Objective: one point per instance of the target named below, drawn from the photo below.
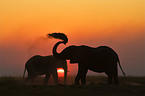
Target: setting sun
(24, 24)
(60, 72)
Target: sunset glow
(60, 72)
(24, 24)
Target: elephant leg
(116, 77)
(110, 79)
(83, 76)
(82, 71)
(65, 76)
(78, 77)
(83, 79)
(47, 78)
(31, 77)
(116, 80)
(55, 76)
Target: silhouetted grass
(96, 86)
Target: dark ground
(96, 86)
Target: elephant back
(108, 53)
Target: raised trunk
(54, 51)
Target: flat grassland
(96, 86)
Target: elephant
(45, 65)
(99, 59)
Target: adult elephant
(99, 59)
(45, 65)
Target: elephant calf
(45, 65)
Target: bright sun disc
(60, 70)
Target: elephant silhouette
(45, 65)
(99, 59)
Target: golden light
(60, 72)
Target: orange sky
(117, 23)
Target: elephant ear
(76, 58)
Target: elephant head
(72, 53)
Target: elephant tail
(121, 68)
(24, 72)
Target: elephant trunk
(54, 51)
